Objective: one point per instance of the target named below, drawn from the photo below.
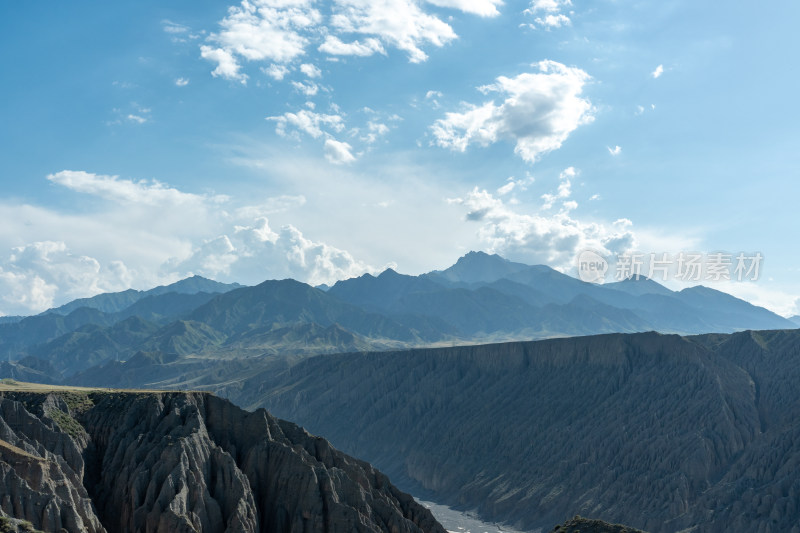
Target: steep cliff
(660, 432)
(173, 462)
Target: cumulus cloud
(564, 190)
(260, 30)
(182, 82)
(375, 130)
(540, 239)
(338, 152)
(553, 17)
(549, 6)
(482, 8)
(308, 89)
(144, 233)
(244, 252)
(399, 23)
(537, 111)
(308, 122)
(336, 47)
(614, 151)
(280, 31)
(227, 66)
(553, 21)
(658, 72)
(311, 71)
(35, 274)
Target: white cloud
(338, 152)
(227, 67)
(553, 17)
(564, 190)
(482, 8)
(143, 233)
(260, 30)
(311, 71)
(308, 89)
(33, 275)
(334, 46)
(307, 122)
(553, 21)
(245, 252)
(280, 31)
(174, 27)
(614, 151)
(507, 188)
(136, 118)
(127, 191)
(375, 130)
(182, 82)
(538, 239)
(538, 111)
(515, 184)
(400, 23)
(267, 29)
(658, 72)
(549, 6)
(276, 72)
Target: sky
(144, 142)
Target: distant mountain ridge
(114, 302)
(481, 298)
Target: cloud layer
(281, 31)
(147, 233)
(542, 238)
(536, 111)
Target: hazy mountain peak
(638, 285)
(113, 302)
(389, 273)
(479, 267)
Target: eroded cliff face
(173, 462)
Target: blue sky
(144, 142)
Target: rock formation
(173, 462)
(586, 525)
(660, 432)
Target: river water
(459, 522)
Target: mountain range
(197, 324)
(511, 390)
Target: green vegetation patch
(78, 402)
(68, 425)
(10, 525)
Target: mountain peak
(479, 267)
(389, 273)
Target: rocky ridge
(173, 461)
(661, 432)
